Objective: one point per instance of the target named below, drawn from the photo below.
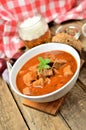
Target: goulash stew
(46, 72)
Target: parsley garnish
(43, 63)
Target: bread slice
(67, 39)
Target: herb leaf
(43, 63)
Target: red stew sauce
(58, 70)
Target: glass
(34, 30)
(84, 29)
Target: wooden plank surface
(74, 109)
(37, 120)
(10, 117)
(82, 76)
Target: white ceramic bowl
(34, 51)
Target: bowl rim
(54, 92)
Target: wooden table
(71, 116)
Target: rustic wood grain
(81, 85)
(82, 76)
(74, 109)
(10, 117)
(49, 107)
(38, 120)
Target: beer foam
(32, 28)
(30, 22)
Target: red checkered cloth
(52, 10)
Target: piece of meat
(47, 72)
(55, 71)
(47, 80)
(58, 63)
(38, 74)
(28, 78)
(67, 70)
(26, 91)
(38, 83)
(51, 57)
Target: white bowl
(39, 49)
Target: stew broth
(58, 71)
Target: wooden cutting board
(49, 107)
